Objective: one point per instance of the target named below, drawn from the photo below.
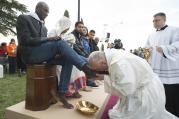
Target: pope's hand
(159, 50)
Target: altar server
(164, 45)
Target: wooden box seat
(41, 80)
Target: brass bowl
(86, 107)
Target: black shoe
(102, 72)
(88, 71)
(91, 83)
(94, 85)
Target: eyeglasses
(156, 20)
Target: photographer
(118, 44)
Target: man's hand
(159, 50)
(54, 38)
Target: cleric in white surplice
(131, 78)
(164, 44)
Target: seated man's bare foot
(63, 99)
(53, 101)
(54, 98)
(68, 106)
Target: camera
(118, 44)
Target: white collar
(34, 15)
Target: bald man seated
(35, 47)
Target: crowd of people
(8, 56)
(143, 87)
(70, 51)
(117, 44)
(83, 43)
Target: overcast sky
(129, 20)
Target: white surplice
(141, 92)
(166, 68)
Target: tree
(8, 15)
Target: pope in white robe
(131, 78)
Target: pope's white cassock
(141, 92)
(166, 67)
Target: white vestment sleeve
(123, 78)
(70, 38)
(147, 45)
(172, 51)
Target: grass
(12, 91)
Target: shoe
(98, 82)
(91, 83)
(94, 85)
(102, 72)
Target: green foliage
(8, 12)
(12, 91)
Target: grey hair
(96, 56)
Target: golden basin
(86, 107)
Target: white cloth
(1, 71)
(76, 73)
(35, 16)
(58, 71)
(141, 92)
(70, 38)
(166, 68)
(63, 24)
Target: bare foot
(63, 99)
(53, 101)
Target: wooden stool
(41, 81)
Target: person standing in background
(3, 56)
(11, 51)
(92, 42)
(164, 46)
(96, 40)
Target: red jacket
(3, 51)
